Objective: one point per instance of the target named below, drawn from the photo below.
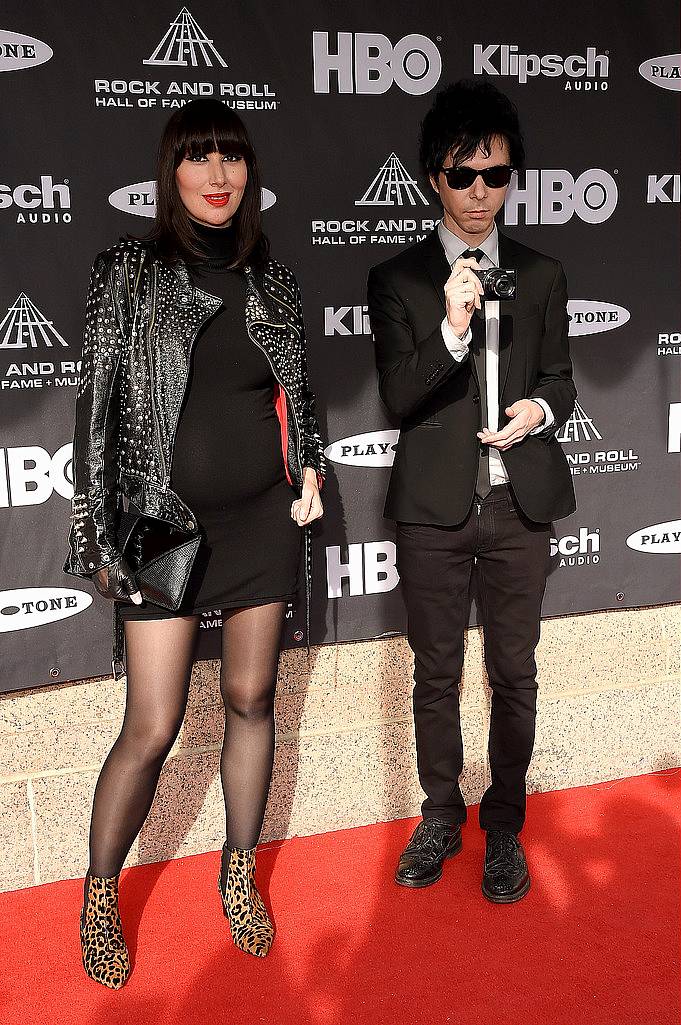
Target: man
(481, 386)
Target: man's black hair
(465, 115)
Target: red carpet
(594, 943)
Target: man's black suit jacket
(437, 399)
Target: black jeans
(511, 558)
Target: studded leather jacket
(142, 318)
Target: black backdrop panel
(333, 97)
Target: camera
(498, 283)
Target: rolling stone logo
(391, 186)
(26, 607)
(18, 52)
(591, 317)
(140, 199)
(29, 343)
(46, 202)
(184, 45)
(580, 429)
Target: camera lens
(503, 286)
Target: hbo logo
(368, 63)
(31, 475)
(553, 197)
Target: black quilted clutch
(160, 555)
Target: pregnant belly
(228, 464)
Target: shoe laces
(429, 838)
(502, 849)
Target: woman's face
(212, 187)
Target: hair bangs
(199, 136)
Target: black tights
(159, 662)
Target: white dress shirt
(454, 247)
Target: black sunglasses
(463, 177)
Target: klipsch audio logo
(591, 317)
(582, 72)
(26, 333)
(659, 539)
(376, 448)
(555, 196)
(24, 607)
(29, 475)
(663, 71)
(581, 429)
(140, 199)
(46, 203)
(581, 549)
(391, 186)
(367, 63)
(674, 427)
(368, 568)
(184, 46)
(663, 188)
(669, 343)
(18, 51)
(346, 320)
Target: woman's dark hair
(201, 127)
(464, 116)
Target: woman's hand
(117, 582)
(309, 506)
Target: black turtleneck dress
(228, 464)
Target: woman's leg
(159, 661)
(250, 654)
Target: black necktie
(479, 355)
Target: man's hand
(309, 506)
(526, 415)
(462, 295)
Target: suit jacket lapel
(507, 258)
(436, 264)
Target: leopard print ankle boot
(249, 923)
(105, 955)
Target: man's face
(470, 212)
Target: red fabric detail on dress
(280, 407)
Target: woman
(197, 458)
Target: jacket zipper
(154, 410)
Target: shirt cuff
(548, 417)
(457, 346)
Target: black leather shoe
(421, 861)
(505, 878)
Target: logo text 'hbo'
(370, 568)
(555, 196)
(368, 63)
(32, 475)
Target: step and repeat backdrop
(333, 95)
